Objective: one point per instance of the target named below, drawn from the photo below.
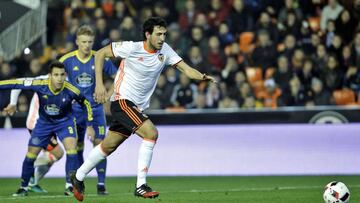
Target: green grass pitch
(214, 189)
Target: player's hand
(90, 132)
(209, 78)
(10, 109)
(100, 93)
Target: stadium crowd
(263, 53)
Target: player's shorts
(52, 144)
(41, 134)
(126, 117)
(98, 123)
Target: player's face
(85, 44)
(57, 78)
(157, 38)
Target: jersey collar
(53, 91)
(84, 60)
(148, 50)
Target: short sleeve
(122, 49)
(172, 57)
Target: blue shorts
(43, 131)
(99, 123)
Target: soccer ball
(336, 192)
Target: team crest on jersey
(161, 57)
(84, 80)
(75, 68)
(28, 82)
(52, 109)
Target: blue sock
(101, 171)
(27, 170)
(80, 156)
(71, 164)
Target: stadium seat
(344, 97)
(246, 42)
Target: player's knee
(152, 134)
(57, 152)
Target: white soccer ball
(336, 192)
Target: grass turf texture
(263, 189)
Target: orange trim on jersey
(130, 113)
(175, 64)
(31, 123)
(149, 50)
(121, 76)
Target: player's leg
(100, 130)
(38, 139)
(97, 154)
(149, 134)
(66, 132)
(43, 163)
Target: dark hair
(56, 64)
(150, 23)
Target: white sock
(96, 155)
(39, 173)
(144, 160)
(67, 185)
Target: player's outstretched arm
(193, 73)
(100, 91)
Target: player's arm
(193, 73)
(100, 91)
(20, 83)
(11, 107)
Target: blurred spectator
(352, 79)
(291, 6)
(228, 102)
(23, 104)
(282, 73)
(265, 51)
(330, 12)
(200, 102)
(102, 33)
(35, 69)
(187, 16)
(213, 96)
(291, 25)
(318, 95)
(345, 26)
(332, 74)
(355, 50)
(320, 59)
(264, 23)
(215, 55)
(229, 72)
(297, 60)
(196, 59)
(198, 38)
(289, 46)
(176, 40)
(217, 13)
(306, 74)
(270, 96)
(336, 47)
(162, 93)
(202, 22)
(240, 19)
(128, 30)
(330, 32)
(184, 93)
(295, 95)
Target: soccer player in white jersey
(51, 154)
(142, 63)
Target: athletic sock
(96, 155)
(71, 163)
(101, 171)
(144, 161)
(27, 169)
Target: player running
(79, 66)
(134, 84)
(51, 153)
(55, 100)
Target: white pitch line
(188, 191)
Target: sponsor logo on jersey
(161, 57)
(75, 68)
(52, 109)
(84, 80)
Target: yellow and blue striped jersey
(53, 106)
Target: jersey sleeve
(22, 83)
(122, 49)
(172, 58)
(86, 104)
(109, 68)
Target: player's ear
(147, 35)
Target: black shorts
(52, 143)
(126, 117)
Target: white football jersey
(139, 70)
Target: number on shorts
(71, 130)
(101, 130)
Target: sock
(101, 171)
(42, 165)
(80, 156)
(67, 185)
(144, 160)
(40, 172)
(27, 169)
(96, 155)
(71, 163)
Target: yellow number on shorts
(71, 130)
(101, 130)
